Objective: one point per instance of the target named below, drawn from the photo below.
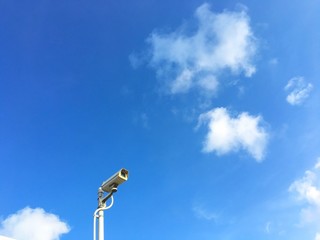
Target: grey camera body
(114, 181)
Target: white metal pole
(101, 226)
(99, 213)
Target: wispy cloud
(35, 224)
(273, 61)
(141, 119)
(268, 227)
(222, 42)
(205, 214)
(298, 89)
(229, 134)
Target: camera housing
(114, 181)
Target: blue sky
(213, 107)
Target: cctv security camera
(114, 181)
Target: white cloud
(221, 42)
(35, 224)
(317, 236)
(227, 134)
(307, 189)
(298, 90)
(5, 238)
